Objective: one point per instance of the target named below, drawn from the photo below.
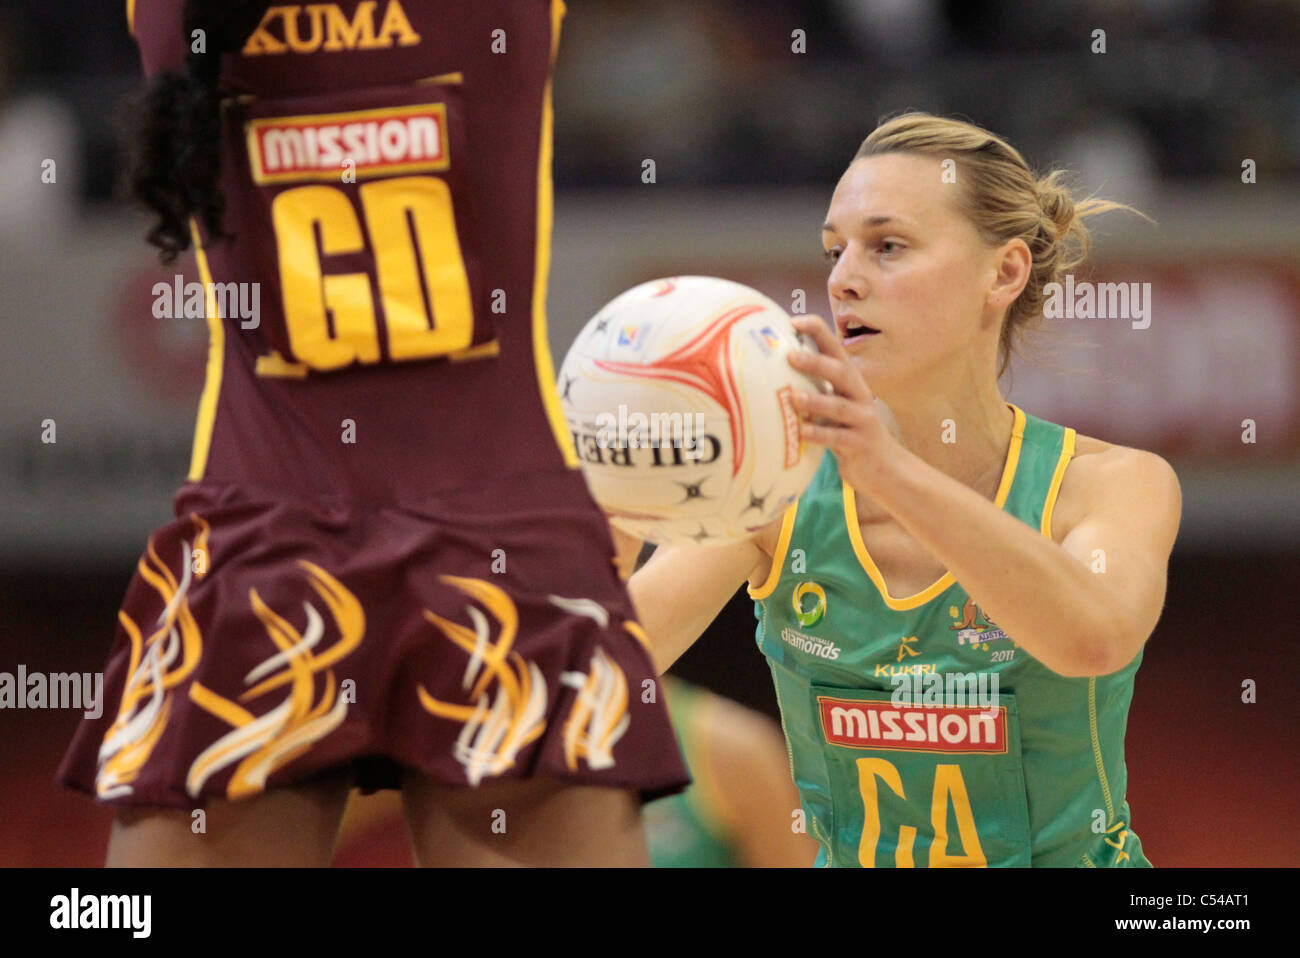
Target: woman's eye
(831, 255)
(889, 246)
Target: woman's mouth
(852, 331)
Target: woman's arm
(1053, 599)
(681, 589)
(1083, 607)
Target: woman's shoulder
(1101, 472)
(1109, 460)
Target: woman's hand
(852, 423)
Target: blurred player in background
(385, 570)
(1019, 566)
(739, 811)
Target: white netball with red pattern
(678, 396)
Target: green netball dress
(920, 734)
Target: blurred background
(750, 111)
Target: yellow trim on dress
(638, 633)
(545, 212)
(778, 554)
(925, 595)
(444, 79)
(216, 357)
(481, 351)
(275, 366)
(1096, 748)
(1067, 452)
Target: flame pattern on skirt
(599, 716)
(157, 665)
(263, 744)
(494, 729)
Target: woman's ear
(1012, 265)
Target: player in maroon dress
(385, 569)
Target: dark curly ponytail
(173, 134)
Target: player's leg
(527, 822)
(290, 826)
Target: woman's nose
(845, 280)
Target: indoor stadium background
(748, 136)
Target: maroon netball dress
(385, 557)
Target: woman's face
(907, 263)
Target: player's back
(385, 168)
(363, 443)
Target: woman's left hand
(852, 423)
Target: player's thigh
(291, 825)
(538, 821)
